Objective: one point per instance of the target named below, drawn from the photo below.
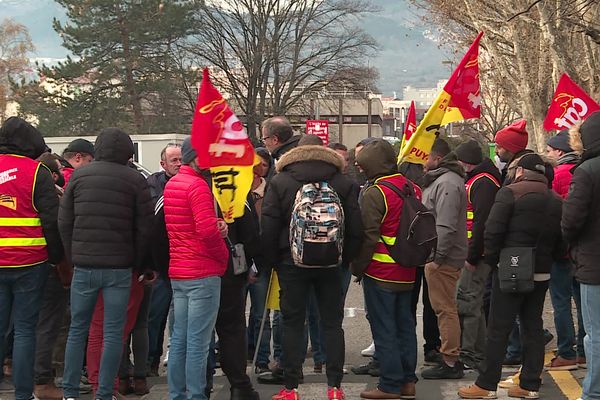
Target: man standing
(563, 285)
(78, 153)
(444, 194)
(482, 184)
(387, 285)
(581, 229)
(29, 240)
(278, 137)
(511, 145)
(160, 301)
(301, 171)
(103, 220)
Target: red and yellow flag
(459, 100)
(410, 125)
(570, 104)
(223, 146)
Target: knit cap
(513, 137)
(469, 152)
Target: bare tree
(15, 45)
(271, 54)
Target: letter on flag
(410, 125)
(570, 104)
(459, 100)
(223, 146)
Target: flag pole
(262, 325)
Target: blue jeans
(394, 333)
(115, 285)
(561, 290)
(159, 310)
(196, 303)
(277, 336)
(258, 296)
(590, 298)
(21, 292)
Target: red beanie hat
(513, 137)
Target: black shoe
(364, 369)
(444, 371)
(244, 394)
(374, 371)
(511, 362)
(275, 377)
(261, 369)
(548, 336)
(433, 358)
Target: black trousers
(503, 310)
(295, 283)
(431, 333)
(231, 329)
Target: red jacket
(196, 247)
(562, 179)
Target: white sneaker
(166, 359)
(369, 351)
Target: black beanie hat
(532, 162)
(560, 141)
(469, 152)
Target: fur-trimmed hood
(310, 163)
(311, 153)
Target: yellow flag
(460, 99)
(231, 184)
(273, 292)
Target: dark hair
(49, 160)
(337, 146)
(280, 127)
(163, 153)
(440, 148)
(307, 140)
(264, 154)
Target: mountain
(406, 56)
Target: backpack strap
(407, 192)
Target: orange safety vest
(468, 186)
(382, 266)
(22, 241)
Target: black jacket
(521, 213)
(245, 230)
(581, 220)
(106, 210)
(157, 182)
(482, 196)
(279, 152)
(19, 137)
(302, 165)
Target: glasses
(266, 137)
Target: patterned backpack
(317, 227)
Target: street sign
(319, 128)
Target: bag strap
(403, 194)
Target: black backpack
(416, 237)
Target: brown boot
(408, 390)
(379, 394)
(125, 386)
(48, 392)
(140, 386)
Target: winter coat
(444, 193)
(196, 247)
(19, 137)
(521, 213)
(306, 164)
(106, 210)
(244, 230)
(157, 182)
(563, 174)
(482, 194)
(279, 152)
(581, 213)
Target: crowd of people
(100, 267)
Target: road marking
(565, 380)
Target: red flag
(570, 104)
(410, 126)
(217, 134)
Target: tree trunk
(134, 99)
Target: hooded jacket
(377, 159)
(444, 193)
(306, 164)
(526, 214)
(581, 210)
(563, 174)
(106, 210)
(482, 194)
(18, 137)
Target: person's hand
(252, 278)
(470, 267)
(223, 228)
(148, 277)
